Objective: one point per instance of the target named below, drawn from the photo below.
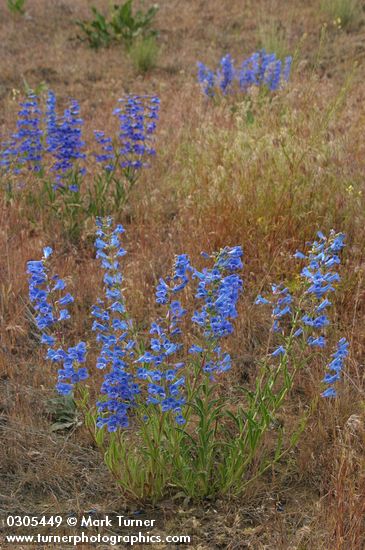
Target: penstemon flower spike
(261, 69)
(219, 288)
(137, 117)
(25, 149)
(114, 333)
(306, 315)
(160, 368)
(51, 312)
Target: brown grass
(215, 181)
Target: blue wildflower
(206, 78)
(219, 288)
(226, 73)
(25, 147)
(137, 116)
(279, 351)
(162, 366)
(106, 157)
(301, 313)
(64, 140)
(336, 366)
(260, 69)
(329, 392)
(46, 305)
(114, 333)
(319, 342)
(261, 300)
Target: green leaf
(57, 426)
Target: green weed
(144, 53)
(16, 6)
(121, 25)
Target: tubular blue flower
(38, 293)
(47, 339)
(318, 342)
(67, 299)
(324, 304)
(299, 255)
(64, 315)
(331, 378)
(196, 349)
(279, 351)
(329, 392)
(47, 252)
(261, 300)
(6, 153)
(154, 375)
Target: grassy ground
(216, 181)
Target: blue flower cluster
(137, 116)
(135, 378)
(25, 146)
(219, 288)
(59, 137)
(114, 332)
(260, 69)
(309, 312)
(52, 309)
(319, 275)
(64, 142)
(281, 305)
(106, 156)
(159, 365)
(335, 367)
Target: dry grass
(216, 181)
